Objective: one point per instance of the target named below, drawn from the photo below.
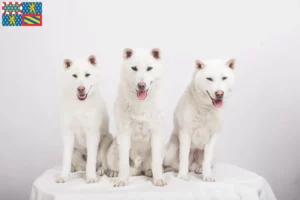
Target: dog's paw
(91, 179)
(198, 170)
(159, 182)
(183, 176)
(148, 173)
(62, 179)
(121, 183)
(207, 173)
(101, 171)
(111, 173)
(208, 178)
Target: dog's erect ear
(231, 63)
(199, 64)
(155, 53)
(92, 60)
(67, 63)
(127, 53)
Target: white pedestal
(232, 183)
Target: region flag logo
(22, 14)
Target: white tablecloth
(232, 183)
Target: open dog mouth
(141, 94)
(83, 96)
(218, 103)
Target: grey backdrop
(261, 130)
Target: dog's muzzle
(218, 102)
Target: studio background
(261, 124)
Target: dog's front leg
(68, 141)
(208, 157)
(184, 150)
(92, 142)
(124, 148)
(157, 159)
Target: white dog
(139, 114)
(84, 118)
(197, 119)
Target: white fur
(139, 122)
(78, 160)
(83, 123)
(80, 156)
(197, 121)
(140, 161)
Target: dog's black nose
(80, 89)
(141, 85)
(219, 94)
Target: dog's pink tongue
(142, 94)
(218, 103)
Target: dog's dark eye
(210, 79)
(149, 68)
(87, 75)
(224, 78)
(74, 75)
(134, 68)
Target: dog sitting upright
(84, 118)
(197, 119)
(139, 115)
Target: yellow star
(12, 20)
(32, 8)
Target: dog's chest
(140, 131)
(143, 121)
(144, 113)
(204, 125)
(79, 126)
(80, 140)
(140, 139)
